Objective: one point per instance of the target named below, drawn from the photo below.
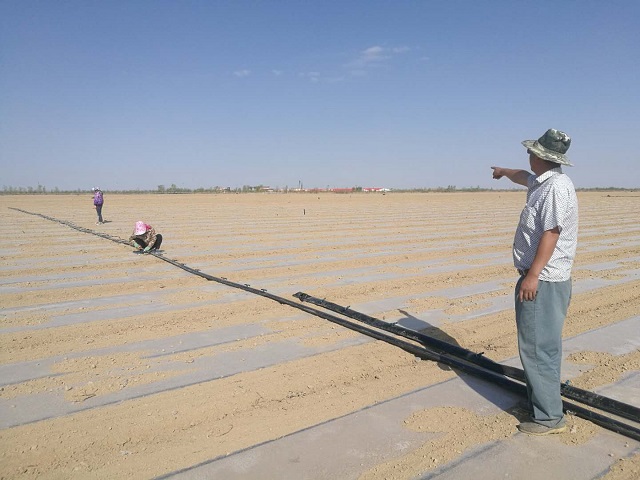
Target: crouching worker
(145, 237)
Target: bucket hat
(141, 227)
(551, 146)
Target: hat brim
(545, 154)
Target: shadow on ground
(414, 323)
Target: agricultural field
(119, 365)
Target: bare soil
(350, 249)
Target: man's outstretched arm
(516, 176)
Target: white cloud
(375, 55)
(311, 76)
(370, 58)
(242, 73)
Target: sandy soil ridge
(117, 365)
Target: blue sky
(397, 94)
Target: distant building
(342, 190)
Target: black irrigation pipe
(574, 393)
(419, 351)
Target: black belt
(523, 273)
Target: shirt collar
(548, 174)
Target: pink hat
(141, 227)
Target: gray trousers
(539, 325)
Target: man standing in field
(543, 251)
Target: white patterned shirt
(551, 202)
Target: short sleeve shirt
(551, 202)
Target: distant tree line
(174, 189)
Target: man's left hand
(528, 288)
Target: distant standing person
(145, 237)
(544, 248)
(98, 201)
